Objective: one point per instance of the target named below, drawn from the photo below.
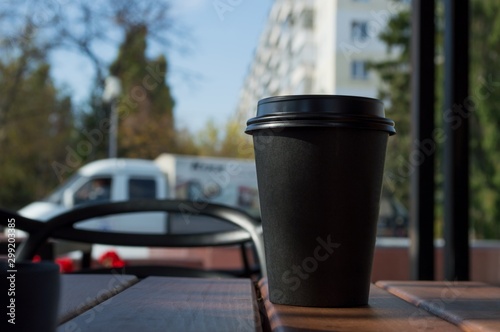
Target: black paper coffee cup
(320, 162)
(32, 296)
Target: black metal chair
(21, 223)
(24, 224)
(62, 227)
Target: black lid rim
(389, 129)
(320, 120)
(320, 116)
(316, 96)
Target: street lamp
(112, 90)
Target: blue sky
(223, 39)
(225, 45)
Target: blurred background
(183, 78)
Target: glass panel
(359, 70)
(56, 196)
(359, 31)
(95, 190)
(133, 222)
(308, 19)
(142, 188)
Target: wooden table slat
(473, 306)
(385, 312)
(81, 292)
(175, 304)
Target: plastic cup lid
(320, 111)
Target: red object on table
(111, 259)
(65, 264)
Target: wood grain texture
(473, 306)
(385, 312)
(80, 292)
(175, 304)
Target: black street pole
(457, 109)
(424, 145)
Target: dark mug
(320, 162)
(32, 299)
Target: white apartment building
(317, 47)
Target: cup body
(319, 190)
(32, 296)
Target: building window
(359, 30)
(359, 70)
(289, 21)
(308, 19)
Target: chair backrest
(20, 223)
(62, 227)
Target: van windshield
(57, 195)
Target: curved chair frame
(22, 223)
(61, 227)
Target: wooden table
(80, 293)
(166, 304)
(473, 306)
(89, 303)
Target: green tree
(226, 140)
(83, 27)
(236, 143)
(145, 109)
(208, 140)
(484, 121)
(31, 32)
(185, 143)
(36, 124)
(395, 92)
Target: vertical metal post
(424, 145)
(113, 130)
(111, 93)
(456, 151)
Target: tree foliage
(39, 143)
(395, 91)
(36, 124)
(226, 140)
(84, 27)
(484, 121)
(145, 108)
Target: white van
(226, 181)
(108, 180)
